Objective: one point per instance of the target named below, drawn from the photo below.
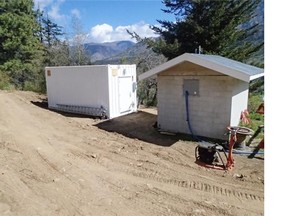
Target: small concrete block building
(217, 90)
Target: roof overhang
(220, 64)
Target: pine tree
(219, 27)
(20, 49)
(51, 32)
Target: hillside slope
(59, 164)
(99, 51)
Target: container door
(125, 93)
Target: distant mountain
(128, 56)
(99, 51)
(139, 54)
(110, 53)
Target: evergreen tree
(40, 29)
(49, 34)
(20, 49)
(219, 27)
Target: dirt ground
(59, 164)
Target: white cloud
(76, 13)
(101, 33)
(54, 12)
(42, 3)
(106, 33)
(52, 8)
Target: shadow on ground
(44, 105)
(140, 125)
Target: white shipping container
(98, 90)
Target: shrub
(5, 82)
(254, 101)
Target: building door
(125, 93)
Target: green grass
(255, 99)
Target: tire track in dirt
(197, 185)
(128, 196)
(143, 202)
(181, 206)
(158, 177)
(7, 143)
(59, 173)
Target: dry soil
(60, 164)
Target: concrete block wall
(210, 112)
(169, 100)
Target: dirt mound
(59, 164)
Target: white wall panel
(89, 86)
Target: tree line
(228, 28)
(30, 40)
(223, 28)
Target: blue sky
(106, 21)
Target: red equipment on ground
(209, 153)
(233, 139)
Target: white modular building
(99, 90)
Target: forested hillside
(30, 40)
(21, 51)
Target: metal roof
(217, 63)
